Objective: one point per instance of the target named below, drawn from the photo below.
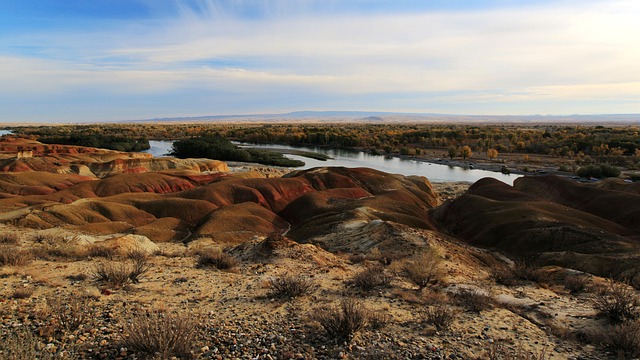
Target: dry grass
(141, 265)
(424, 268)
(520, 271)
(216, 258)
(370, 278)
(341, 323)
(440, 315)
(498, 351)
(576, 283)
(161, 335)
(624, 338)
(9, 239)
(21, 344)
(289, 286)
(101, 251)
(617, 302)
(379, 319)
(61, 251)
(114, 274)
(22, 293)
(11, 255)
(70, 313)
(474, 300)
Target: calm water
(347, 158)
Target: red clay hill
(545, 219)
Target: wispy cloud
(261, 55)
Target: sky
(110, 60)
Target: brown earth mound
(523, 223)
(617, 205)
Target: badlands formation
(517, 272)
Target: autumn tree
(465, 152)
(492, 153)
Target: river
(349, 158)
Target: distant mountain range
(397, 117)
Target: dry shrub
(473, 300)
(497, 351)
(22, 292)
(379, 319)
(424, 268)
(521, 270)
(371, 278)
(12, 256)
(71, 313)
(101, 251)
(9, 239)
(576, 283)
(216, 258)
(162, 335)
(617, 302)
(114, 274)
(140, 266)
(77, 277)
(440, 315)
(525, 270)
(21, 344)
(289, 286)
(623, 338)
(343, 322)
(53, 252)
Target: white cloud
(555, 53)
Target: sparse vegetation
(289, 286)
(473, 300)
(212, 257)
(69, 314)
(114, 274)
(23, 292)
(343, 322)
(439, 315)
(161, 335)
(370, 278)
(101, 251)
(576, 283)
(140, 266)
(623, 339)
(8, 239)
(11, 255)
(424, 268)
(617, 302)
(21, 344)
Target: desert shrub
(70, 313)
(216, 258)
(101, 251)
(9, 239)
(115, 274)
(53, 252)
(440, 315)
(22, 293)
(521, 270)
(21, 344)
(424, 268)
(12, 256)
(140, 266)
(617, 302)
(528, 271)
(77, 277)
(379, 319)
(473, 300)
(576, 283)
(343, 322)
(623, 338)
(289, 286)
(371, 278)
(497, 351)
(161, 335)
(504, 275)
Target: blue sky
(101, 60)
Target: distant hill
(398, 117)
